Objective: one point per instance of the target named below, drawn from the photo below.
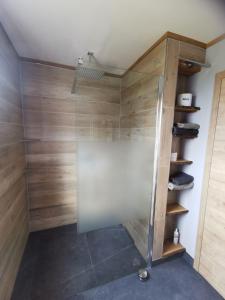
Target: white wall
(202, 86)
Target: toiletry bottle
(176, 236)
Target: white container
(173, 156)
(176, 236)
(184, 99)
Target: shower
(90, 69)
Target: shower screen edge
(155, 171)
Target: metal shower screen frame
(155, 169)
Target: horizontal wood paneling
(55, 122)
(192, 52)
(13, 204)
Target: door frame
(208, 161)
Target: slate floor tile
(106, 242)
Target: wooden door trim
(208, 161)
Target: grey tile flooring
(172, 280)
(123, 263)
(104, 243)
(60, 263)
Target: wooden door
(210, 259)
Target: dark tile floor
(171, 280)
(59, 263)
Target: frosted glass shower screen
(116, 174)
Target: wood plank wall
(13, 203)
(55, 121)
(138, 117)
(175, 49)
(210, 254)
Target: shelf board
(180, 162)
(170, 249)
(175, 209)
(188, 69)
(187, 109)
(185, 136)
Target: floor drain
(143, 274)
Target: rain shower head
(90, 70)
(89, 73)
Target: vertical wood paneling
(169, 95)
(55, 122)
(210, 255)
(13, 203)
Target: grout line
(25, 145)
(116, 253)
(89, 251)
(12, 123)
(92, 265)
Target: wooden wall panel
(162, 224)
(190, 51)
(55, 122)
(210, 254)
(138, 118)
(13, 203)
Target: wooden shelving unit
(171, 249)
(185, 136)
(187, 109)
(181, 162)
(188, 69)
(175, 209)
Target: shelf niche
(181, 162)
(175, 209)
(187, 109)
(187, 68)
(170, 249)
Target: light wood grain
(175, 209)
(13, 204)
(139, 100)
(165, 146)
(165, 36)
(55, 122)
(210, 255)
(192, 52)
(170, 249)
(164, 226)
(216, 40)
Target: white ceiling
(118, 31)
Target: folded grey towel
(185, 132)
(174, 187)
(181, 178)
(187, 125)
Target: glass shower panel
(115, 182)
(117, 166)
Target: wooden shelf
(170, 249)
(185, 136)
(181, 162)
(188, 69)
(175, 209)
(187, 109)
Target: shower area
(92, 144)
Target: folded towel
(181, 178)
(185, 132)
(187, 125)
(174, 187)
